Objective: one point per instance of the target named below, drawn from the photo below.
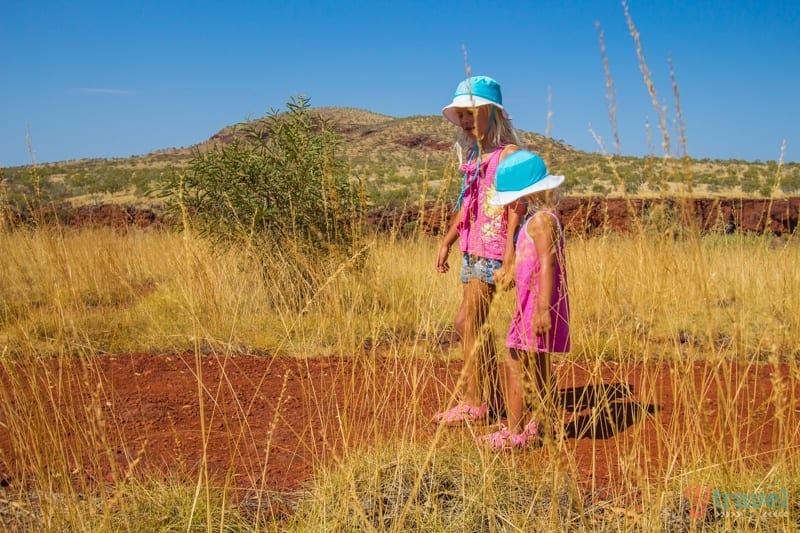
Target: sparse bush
(632, 183)
(279, 179)
(750, 185)
(728, 180)
(571, 182)
(791, 181)
(704, 177)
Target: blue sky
(114, 79)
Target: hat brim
(545, 184)
(464, 101)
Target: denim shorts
(482, 268)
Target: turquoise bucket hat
(474, 92)
(522, 173)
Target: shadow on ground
(601, 411)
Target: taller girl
(486, 234)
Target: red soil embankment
(585, 216)
(588, 216)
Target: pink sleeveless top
(482, 230)
(520, 333)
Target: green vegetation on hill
(403, 160)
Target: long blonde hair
(548, 199)
(499, 132)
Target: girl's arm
(514, 213)
(516, 210)
(449, 238)
(542, 231)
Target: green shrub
(729, 180)
(750, 185)
(633, 182)
(791, 182)
(751, 174)
(278, 180)
(571, 182)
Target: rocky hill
(408, 159)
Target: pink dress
(520, 333)
(482, 230)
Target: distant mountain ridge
(373, 137)
(402, 159)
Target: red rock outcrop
(585, 216)
(588, 216)
(109, 215)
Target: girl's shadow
(609, 410)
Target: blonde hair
(500, 132)
(548, 199)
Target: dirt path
(270, 421)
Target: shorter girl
(540, 325)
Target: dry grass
(96, 291)
(636, 298)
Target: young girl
(486, 239)
(540, 325)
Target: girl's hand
(504, 277)
(542, 324)
(441, 260)
(542, 231)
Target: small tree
(278, 179)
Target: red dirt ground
(271, 421)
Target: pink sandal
(461, 413)
(498, 440)
(505, 440)
(530, 436)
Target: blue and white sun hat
(522, 173)
(474, 92)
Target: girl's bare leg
(515, 389)
(546, 390)
(517, 375)
(490, 372)
(477, 298)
